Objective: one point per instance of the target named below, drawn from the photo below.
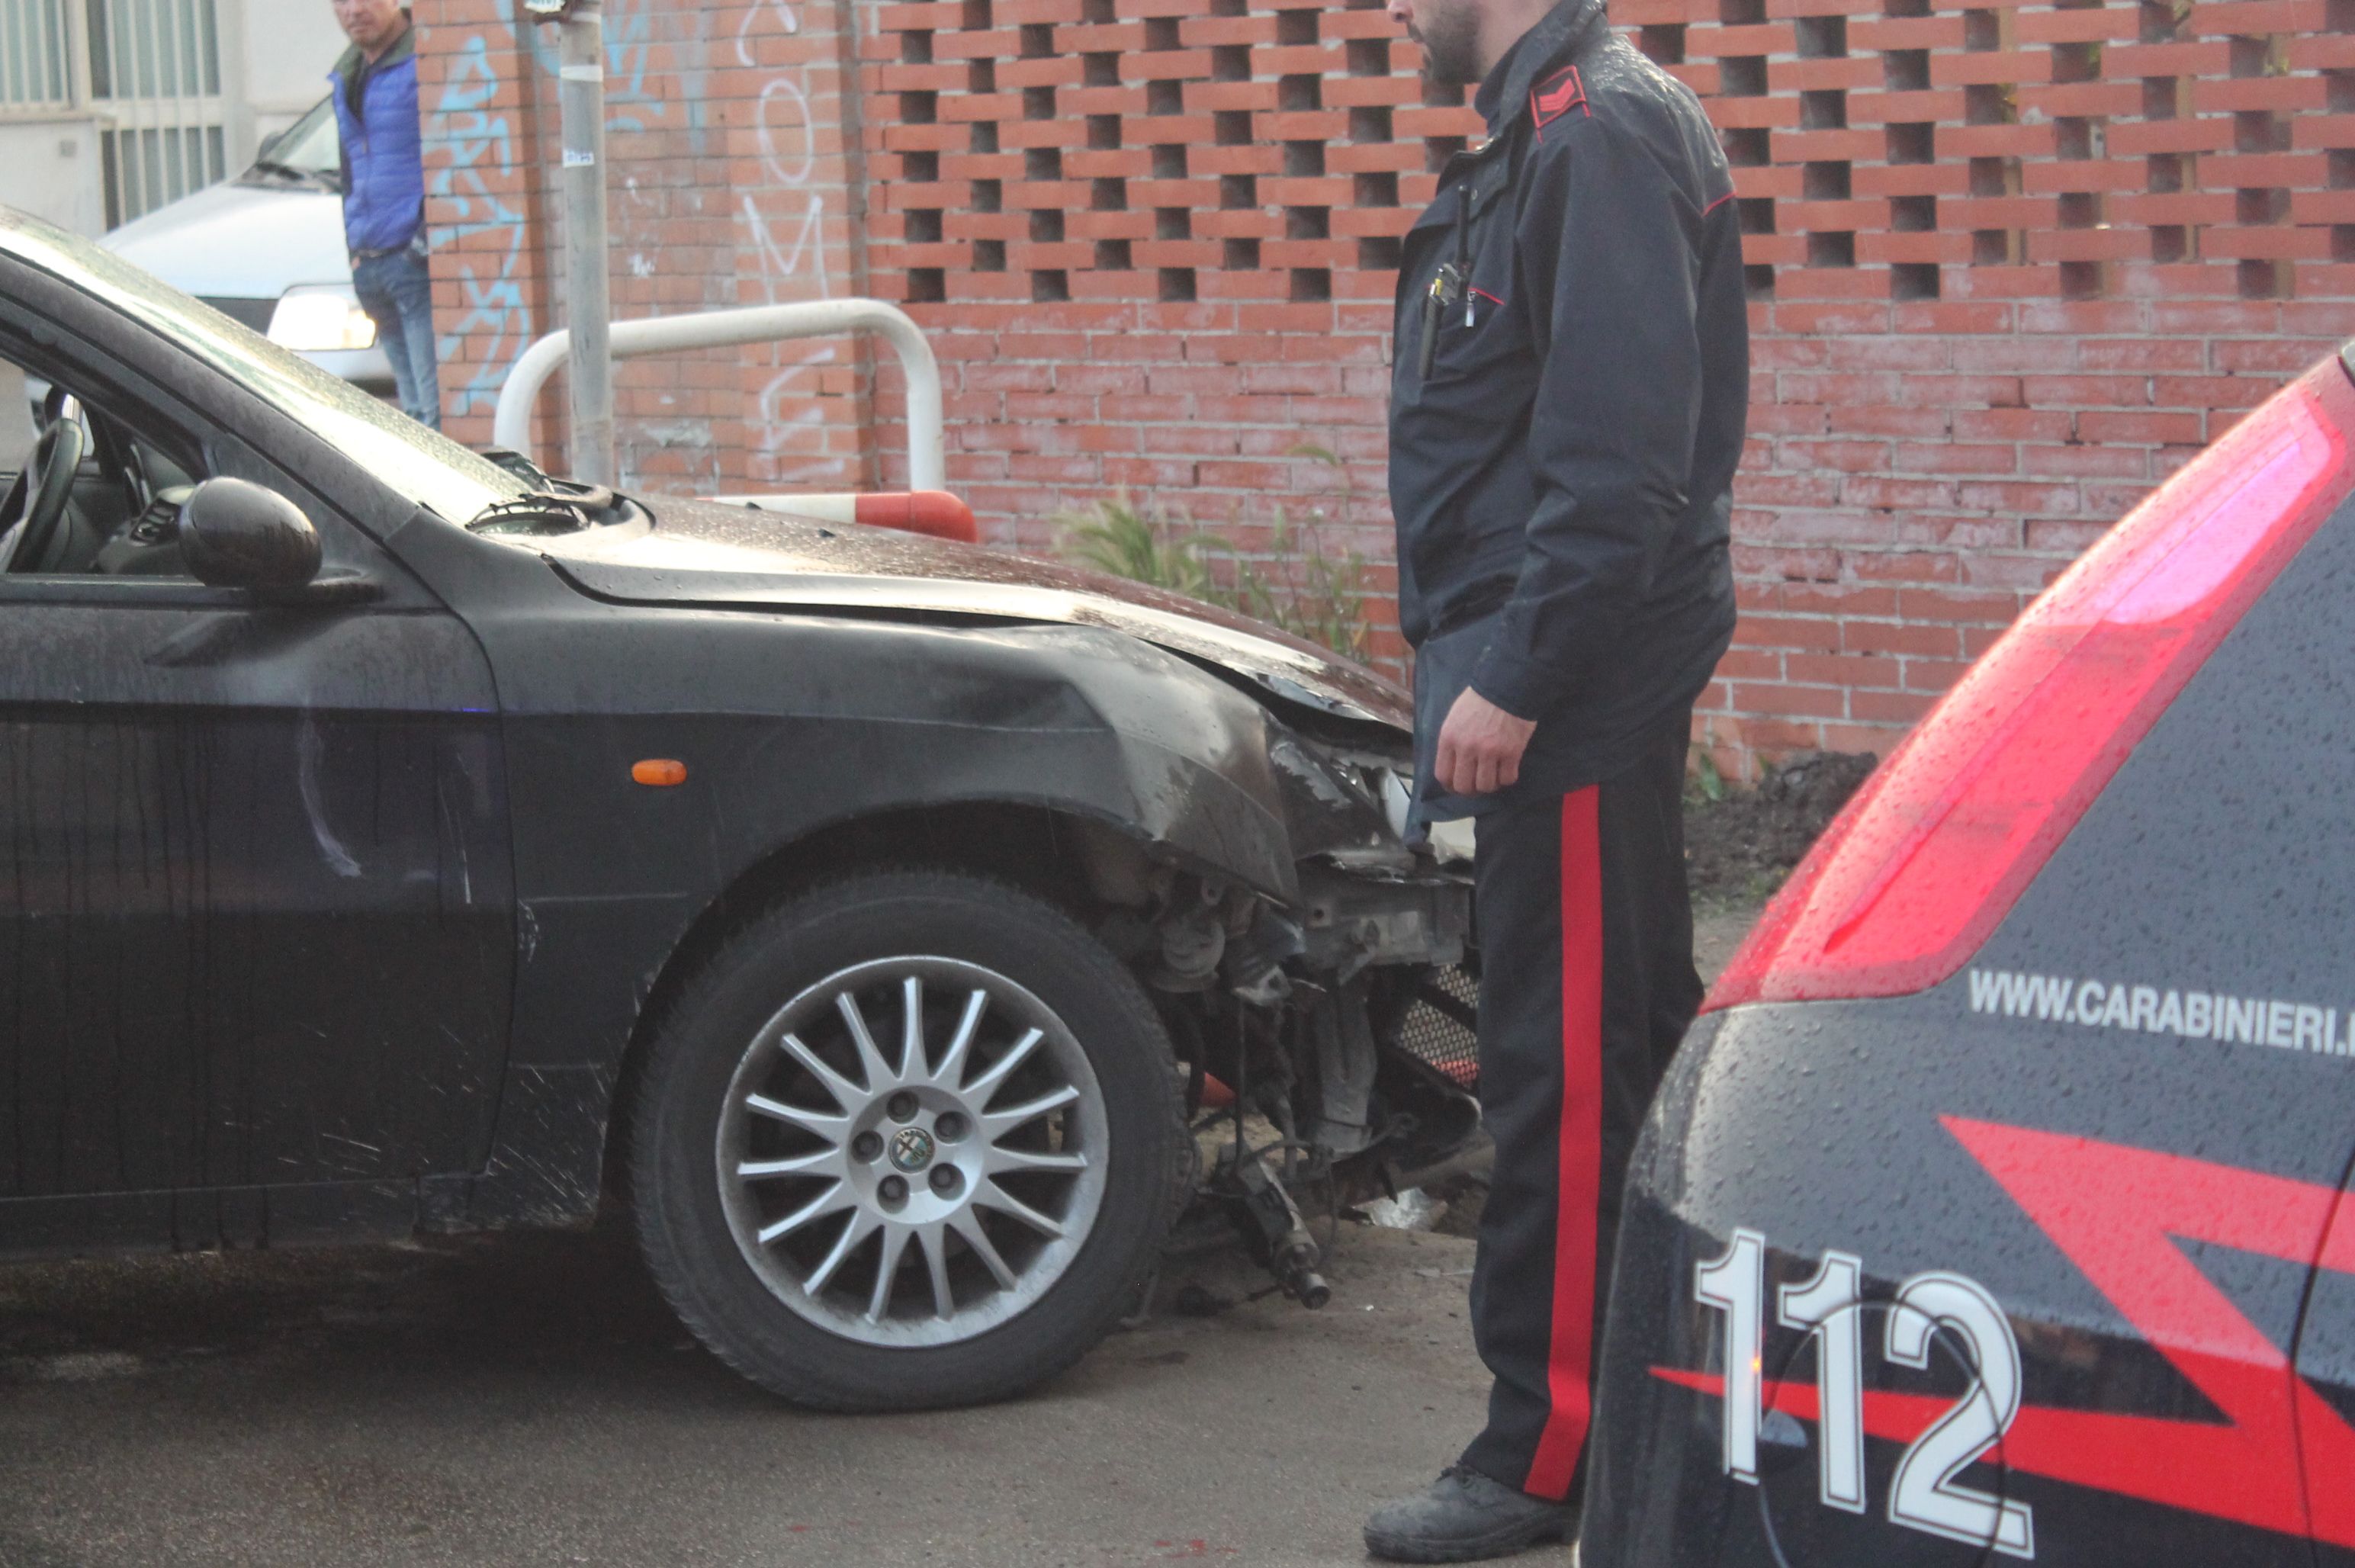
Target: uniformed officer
(1567, 404)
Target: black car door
(256, 905)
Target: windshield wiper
(549, 511)
(320, 177)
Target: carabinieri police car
(1997, 1207)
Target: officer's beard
(1450, 37)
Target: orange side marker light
(660, 772)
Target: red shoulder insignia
(1556, 96)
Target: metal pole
(580, 91)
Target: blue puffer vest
(384, 169)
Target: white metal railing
(927, 460)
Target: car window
(20, 400)
(121, 505)
(415, 462)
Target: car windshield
(310, 149)
(427, 468)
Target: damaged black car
(906, 934)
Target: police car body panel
(2090, 1176)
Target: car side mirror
(234, 534)
(268, 145)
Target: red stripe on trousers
(1580, 1184)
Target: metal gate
(156, 82)
(36, 49)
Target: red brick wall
(1156, 249)
(732, 181)
(2011, 265)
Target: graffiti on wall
(478, 167)
(657, 60)
(474, 180)
(784, 223)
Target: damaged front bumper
(1329, 1037)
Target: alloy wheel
(911, 1151)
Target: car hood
(240, 241)
(696, 552)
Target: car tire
(760, 1104)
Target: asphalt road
(528, 1400)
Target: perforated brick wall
(1157, 248)
(2011, 265)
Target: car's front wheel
(912, 1139)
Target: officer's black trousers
(1587, 983)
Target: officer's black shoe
(1463, 1517)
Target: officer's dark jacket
(1567, 402)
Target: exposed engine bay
(1327, 1044)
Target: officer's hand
(1480, 746)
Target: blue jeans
(397, 291)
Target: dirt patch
(1718, 926)
(1465, 1195)
(1740, 847)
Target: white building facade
(109, 109)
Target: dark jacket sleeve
(1605, 261)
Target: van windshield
(310, 149)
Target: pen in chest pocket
(1451, 281)
(1444, 286)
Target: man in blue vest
(384, 195)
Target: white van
(267, 248)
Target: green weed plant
(1301, 588)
